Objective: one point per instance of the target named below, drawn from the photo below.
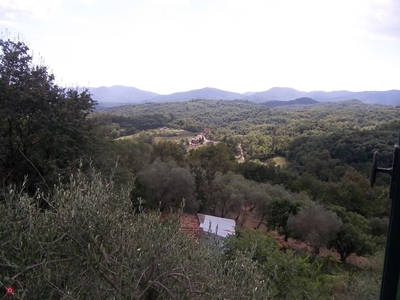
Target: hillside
(298, 101)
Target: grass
(128, 137)
(172, 135)
(164, 135)
(280, 161)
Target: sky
(168, 46)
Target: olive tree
(277, 213)
(228, 193)
(314, 225)
(354, 235)
(164, 185)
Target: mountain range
(119, 95)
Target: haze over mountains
(118, 95)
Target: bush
(291, 276)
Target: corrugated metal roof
(219, 226)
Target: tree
(257, 197)
(164, 185)
(43, 128)
(205, 162)
(353, 236)
(314, 225)
(277, 213)
(168, 150)
(356, 194)
(214, 158)
(257, 172)
(228, 193)
(379, 227)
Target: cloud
(14, 9)
(10, 24)
(382, 20)
(87, 2)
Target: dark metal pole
(391, 269)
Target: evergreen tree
(43, 128)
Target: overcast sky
(167, 46)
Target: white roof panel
(219, 226)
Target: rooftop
(219, 226)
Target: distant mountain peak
(206, 93)
(119, 94)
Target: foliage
(321, 153)
(213, 158)
(122, 126)
(257, 172)
(134, 154)
(90, 246)
(169, 151)
(293, 276)
(253, 243)
(364, 283)
(349, 130)
(228, 193)
(164, 185)
(379, 227)
(277, 213)
(314, 225)
(44, 129)
(353, 237)
(329, 147)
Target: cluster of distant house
(199, 138)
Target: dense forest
(90, 199)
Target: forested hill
(239, 114)
(208, 111)
(298, 101)
(266, 132)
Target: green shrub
(291, 276)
